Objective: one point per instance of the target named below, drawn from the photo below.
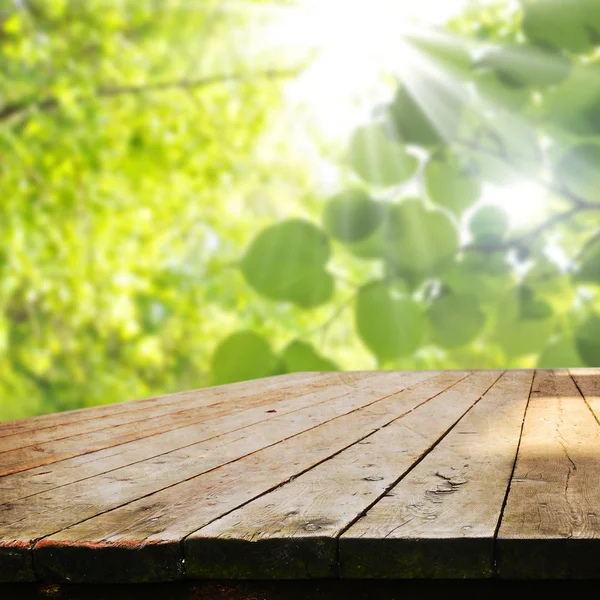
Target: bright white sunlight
(361, 48)
(355, 43)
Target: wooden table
(362, 475)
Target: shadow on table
(293, 590)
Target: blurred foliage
(126, 151)
(156, 236)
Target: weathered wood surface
(440, 520)
(224, 391)
(456, 474)
(292, 531)
(30, 448)
(553, 509)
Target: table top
(389, 474)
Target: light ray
(523, 202)
(359, 42)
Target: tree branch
(323, 328)
(550, 186)
(22, 106)
(521, 241)
(579, 205)
(591, 241)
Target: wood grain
(588, 384)
(25, 521)
(212, 421)
(238, 390)
(291, 532)
(146, 534)
(551, 523)
(439, 521)
(344, 476)
(157, 436)
(168, 406)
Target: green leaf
(301, 356)
(243, 355)
(411, 279)
(429, 117)
(418, 241)
(526, 66)
(531, 307)
(560, 353)
(451, 183)
(480, 263)
(352, 216)
(574, 106)
(502, 144)
(488, 224)
(444, 51)
(377, 159)
(587, 340)
(311, 289)
(495, 92)
(287, 262)
(589, 269)
(505, 149)
(578, 170)
(572, 25)
(516, 334)
(456, 320)
(551, 283)
(517, 338)
(371, 248)
(388, 322)
(485, 276)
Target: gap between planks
(553, 510)
(170, 407)
(35, 518)
(166, 519)
(293, 532)
(576, 418)
(124, 453)
(81, 414)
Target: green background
(161, 229)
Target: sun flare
(361, 49)
(355, 42)
(524, 202)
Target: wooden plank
(35, 438)
(211, 422)
(291, 532)
(42, 455)
(93, 412)
(235, 390)
(27, 520)
(440, 520)
(141, 541)
(588, 383)
(551, 523)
